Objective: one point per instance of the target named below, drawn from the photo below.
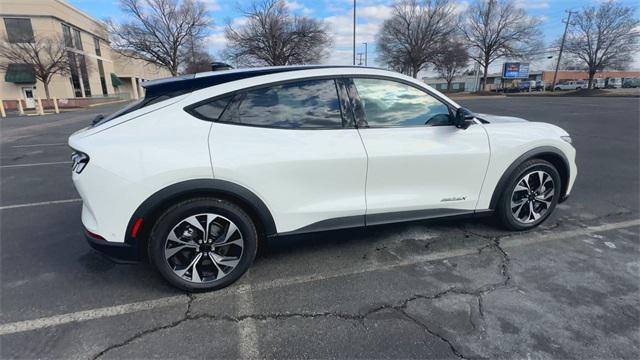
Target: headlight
(80, 161)
(567, 139)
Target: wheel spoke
(520, 187)
(231, 229)
(174, 238)
(238, 242)
(225, 260)
(174, 250)
(195, 223)
(210, 219)
(192, 264)
(532, 212)
(220, 273)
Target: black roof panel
(179, 85)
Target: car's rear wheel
(203, 244)
(530, 196)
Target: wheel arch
(151, 209)
(548, 153)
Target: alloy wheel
(532, 196)
(204, 248)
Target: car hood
(498, 119)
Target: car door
(419, 164)
(290, 144)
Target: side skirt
(386, 218)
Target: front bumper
(118, 252)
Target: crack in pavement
(144, 333)
(399, 307)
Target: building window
(103, 80)
(96, 44)
(82, 61)
(75, 76)
(19, 30)
(66, 31)
(77, 39)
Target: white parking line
(38, 145)
(6, 207)
(510, 242)
(248, 344)
(36, 164)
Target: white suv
(570, 85)
(193, 175)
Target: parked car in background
(531, 85)
(598, 83)
(571, 85)
(631, 83)
(613, 83)
(527, 85)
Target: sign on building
(515, 70)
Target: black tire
(176, 214)
(504, 211)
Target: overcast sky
(339, 16)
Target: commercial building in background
(96, 70)
(497, 81)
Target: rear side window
(309, 104)
(211, 110)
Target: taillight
(80, 161)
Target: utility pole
(566, 26)
(354, 32)
(365, 53)
(360, 59)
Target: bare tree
(603, 36)
(273, 36)
(197, 59)
(46, 56)
(407, 41)
(498, 28)
(451, 60)
(159, 30)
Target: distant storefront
(497, 81)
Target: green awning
(20, 74)
(115, 80)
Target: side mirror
(463, 118)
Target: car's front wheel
(203, 244)
(530, 196)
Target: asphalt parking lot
(448, 289)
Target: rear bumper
(118, 252)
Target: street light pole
(365, 53)
(555, 74)
(354, 32)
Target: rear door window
(308, 104)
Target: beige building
(96, 71)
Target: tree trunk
(449, 85)
(414, 72)
(46, 90)
(591, 75)
(484, 77)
